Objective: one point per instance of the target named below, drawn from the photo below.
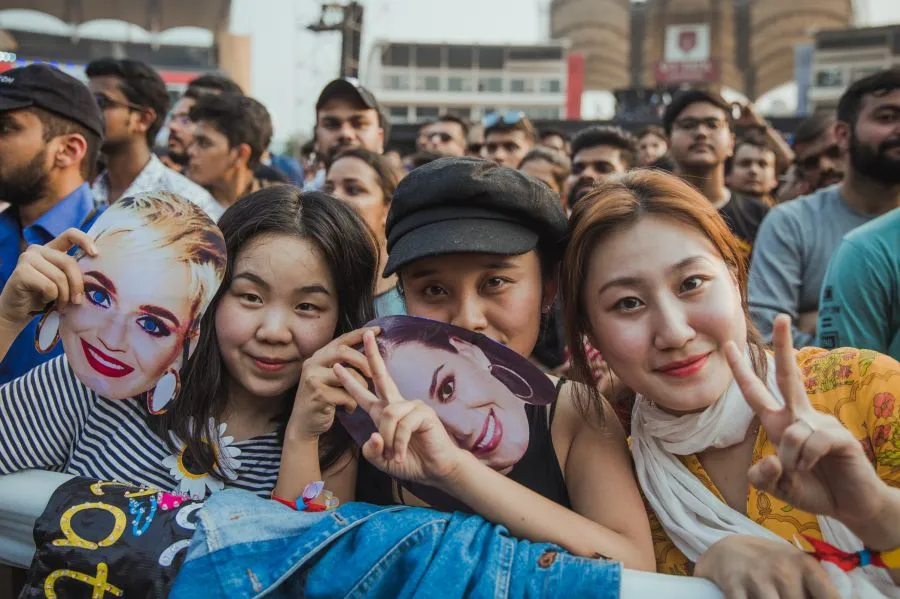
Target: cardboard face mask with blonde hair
(478, 388)
(159, 264)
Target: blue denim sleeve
(366, 551)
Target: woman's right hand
(746, 567)
(320, 392)
(44, 274)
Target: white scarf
(692, 516)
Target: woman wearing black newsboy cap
(478, 246)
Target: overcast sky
(289, 87)
(290, 64)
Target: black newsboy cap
(463, 205)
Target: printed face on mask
(159, 262)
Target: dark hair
(617, 204)
(422, 158)
(876, 84)
(387, 180)
(54, 125)
(350, 252)
(695, 96)
(452, 118)
(655, 130)
(813, 127)
(561, 164)
(755, 139)
(140, 84)
(239, 118)
(553, 132)
(524, 125)
(664, 163)
(606, 136)
(211, 83)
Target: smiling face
(479, 411)
(498, 296)
(280, 308)
(131, 327)
(662, 303)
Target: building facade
(417, 82)
(744, 45)
(843, 56)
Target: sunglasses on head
(510, 117)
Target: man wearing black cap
(50, 136)
(347, 116)
(700, 127)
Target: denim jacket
(246, 546)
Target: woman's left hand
(819, 467)
(411, 443)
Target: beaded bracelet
(315, 498)
(846, 561)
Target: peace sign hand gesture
(411, 443)
(819, 467)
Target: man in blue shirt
(50, 136)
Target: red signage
(687, 40)
(668, 73)
(574, 85)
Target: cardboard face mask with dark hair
(160, 262)
(478, 388)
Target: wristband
(314, 499)
(846, 561)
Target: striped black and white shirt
(50, 420)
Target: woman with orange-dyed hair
(738, 451)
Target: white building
(844, 56)
(419, 81)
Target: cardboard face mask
(160, 262)
(478, 387)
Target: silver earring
(46, 336)
(518, 376)
(164, 393)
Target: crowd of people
(718, 310)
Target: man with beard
(508, 137)
(818, 157)
(50, 135)
(447, 136)
(753, 169)
(700, 127)
(597, 153)
(134, 102)
(798, 238)
(231, 134)
(347, 116)
(180, 125)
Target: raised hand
(819, 467)
(44, 274)
(320, 391)
(411, 443)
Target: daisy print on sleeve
(195, 480)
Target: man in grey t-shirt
(796, 239)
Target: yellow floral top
(861, 388)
